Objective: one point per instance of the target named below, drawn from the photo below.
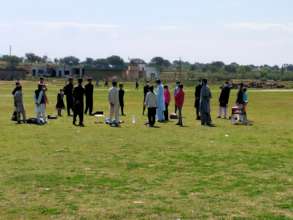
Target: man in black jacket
(197, 99)
(89, 94)
(224, 100)
(78, 103)
(68, 92)
(146, 89)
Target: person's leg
(18, 117)
(117, 114)
(74, 115)
(220, 112)
(111, 112)
(176, 109)
(86, 105)
(24, 116)
(91, 106)
(68, 106)
(154, 110)
(150, 116)
(225, 112)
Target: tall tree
(70, 60)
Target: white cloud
(62, 25)
(262, 26)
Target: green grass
(59, 171)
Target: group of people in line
(156, 100)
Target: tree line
(216, 70)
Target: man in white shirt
(151, 104)
(113, 99)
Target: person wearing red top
(167, 97)
(179, 100)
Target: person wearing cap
(78, 103)
(89, 94)
(160, 102)
(113, 98)
(68, 92)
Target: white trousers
(114, 112)
(222, 112)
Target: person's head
(151, 89)
(241, 85)
(79, 81)
(70, 80)
(181, 86)
(121, 86)
(42, 80)
(199, 82)
(244, 89)
(166, 87)
(204, 81)
(89, 80)
(147, 82)
(178, 83)
(114, 84)
(17, 84)
(158, 82)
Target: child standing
(18, 103)
(121, 98)
(167, 97)
(179, 99)
(60, 103)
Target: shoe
(219, 116)
(81, 125)
(211, 125)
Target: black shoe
(81, 125)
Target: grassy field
(58, 171)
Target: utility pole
(10, 50)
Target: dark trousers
(152, 116)
(205, 118)
(89, 105)
(122, 108)
(69, 104)
(180, 122)
(197, 105)
(166, 112)
(78, 111)
(176, 108)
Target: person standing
(151, 104)
(136, 84)
(175, 92)
(113, 99)
(146, 89)
(167, 98)
(224, 100)
(18, 103)
(245, 100)
(240, 97)
(78, 103)
(68, 91)
(60, 103)
(160, 101)
(197, 99)
(89, 97)
(121, 98)
(205, 108)
(40, 102)
(179, 99)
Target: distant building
(52, 70)
(138, 69)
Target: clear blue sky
(243, 31)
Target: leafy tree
(12, 61)
(116, 62)
(33, 58)
(160, 62)
(70, 60)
